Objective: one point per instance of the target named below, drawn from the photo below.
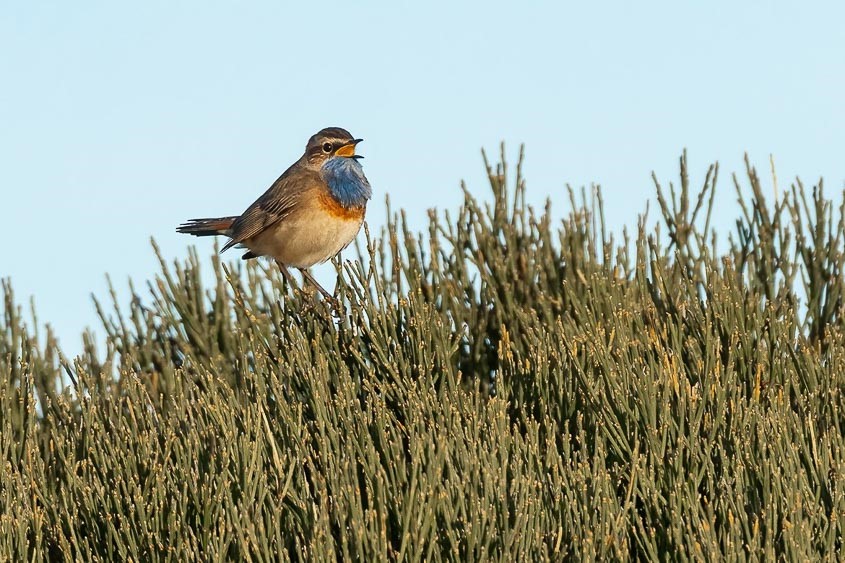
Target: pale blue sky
(119, 120)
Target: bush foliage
(501, 387)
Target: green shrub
(501, 388)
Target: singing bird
(311, 213)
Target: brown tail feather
(207, 227)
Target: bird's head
(330, 142)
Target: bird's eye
(327, 147)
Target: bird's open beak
(348, 149)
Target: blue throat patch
(346, 181)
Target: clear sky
(119, 120)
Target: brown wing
(274, 205)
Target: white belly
(303, 240)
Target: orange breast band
(335, 209)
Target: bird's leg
(286, 274)
(307, 275)
(326, 295)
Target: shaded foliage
(503, 387)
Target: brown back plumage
(275, 204)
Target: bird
(308, 215)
